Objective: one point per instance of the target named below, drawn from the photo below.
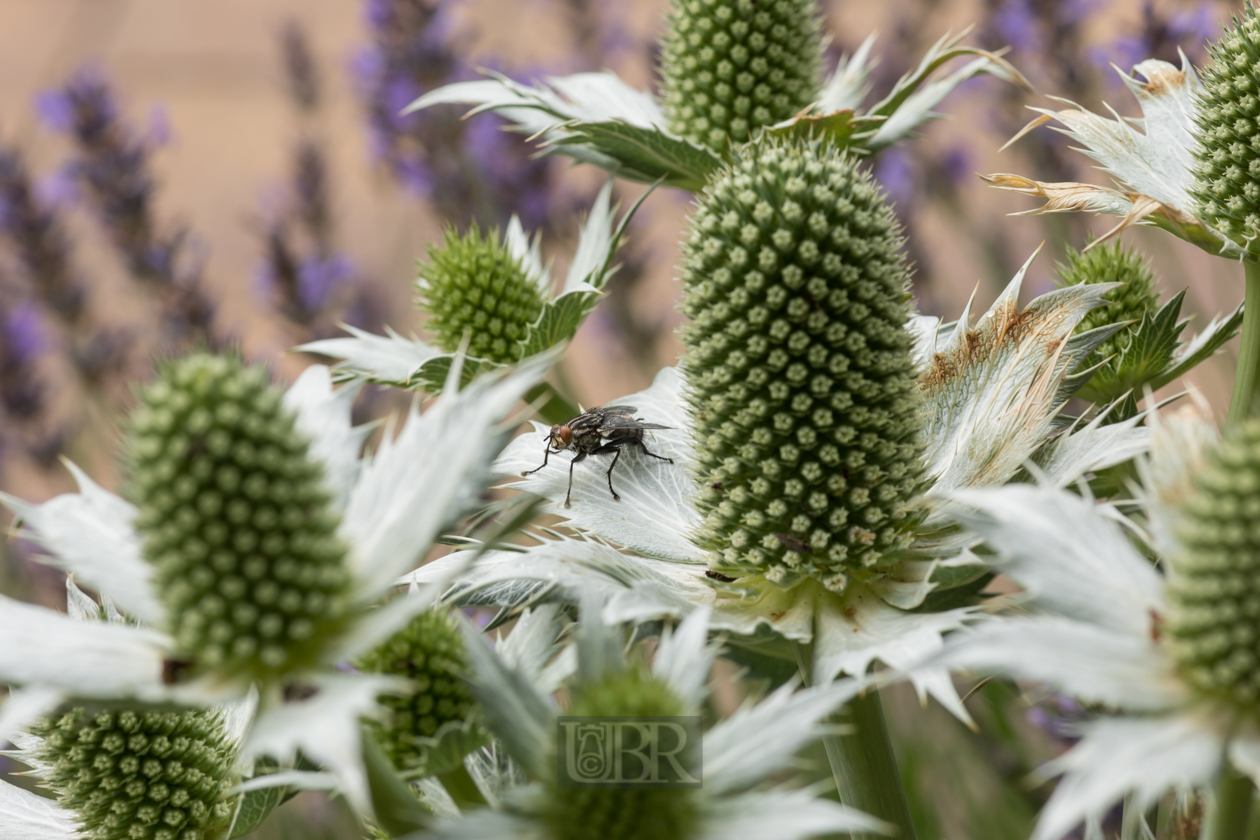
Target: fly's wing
(618, 410)
(617, 426)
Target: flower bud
(802, 384)
(594, 813)
(1227, 171)
(1213, 623)
(430, 653)
(236, 519)
(1112, 264)
(140, 775)
(729, 67)
(474, 285)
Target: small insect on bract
(598, 431)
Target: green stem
(556, 409)
(398, 810)
(863, 763)
(1230, 810)
(1247, 374)
(461, 787)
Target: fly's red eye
(564, 433)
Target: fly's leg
(616, 455)
(567, 495)
(643, 446)
(546, 454)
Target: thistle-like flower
(1172, 657)
(270, 545)
(462, 298)
(739, 754)
(806, 466)
(1187, 165)
(730, 71)
(434, 721)
(1147, 352)
(478, 286)
(127, 774)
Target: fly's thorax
(806, 422)
(132, 775)
(1213, 625)
(236, 520)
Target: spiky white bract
(740, 754)
(1099, 631)
(597, 118)
(402, 362)
(393, 507)
(987, 412)
(28, 816)
(1152, 159)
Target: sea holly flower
(729, 71)
(1184, 166)
(411, 363)
(989, 399)
(1169, 658)
(1147, 352)
(740, 755)
(365, 521)
(128, 774)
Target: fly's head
(560, 437)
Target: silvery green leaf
(515, 712)
(421, 481)
(655, 513)
(991, 394)
(28, 816)
(446, 749)
(1140, 757)
(1244, 754)
(758, 741)
(1067, 557)
(855, 630)
(1095, 447)
(325, 727)
(389, 359)
(532, 646)
(915, 110)
(323, 416)
(484, 824)
(850, 84)
(1150, 158)
(1095, 664)
(597, 243)
(529, 252)
(89, 534)
(1202, 347)
(41, 647)
(255, 806)
(24, 706)
(786, 815)
(684, 658)
(644, 154)
(1180, 443)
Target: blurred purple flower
(1124, 52)
(894, 168)
(56, 109)
(957, 165)
(1194, 26)
(58, 189)
(318, 277)
(1059, 716)
(25, 334)
(1016, 22)
(159, 130)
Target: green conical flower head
(236, 519)
(802, 388)
(1213, 625)
(430, 652)
(140, 775)
(591, 813)
(1227, 174)
(729, 67)
(474, 285)
(1112, 264)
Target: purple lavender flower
(894, 168)
(22, 391)
(111, 164)
(1016, 22)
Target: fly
(598, 431)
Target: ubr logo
(628, 752)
